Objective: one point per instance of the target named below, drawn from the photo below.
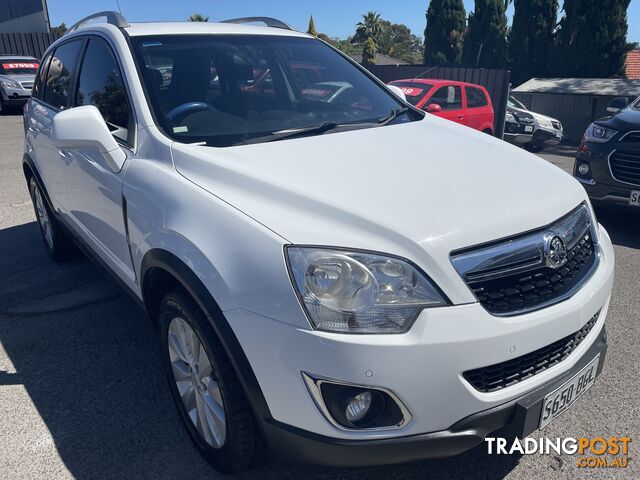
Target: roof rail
(268, 21)
(113, 18)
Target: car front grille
(517, 292)
(625, 166)
(631, 137)
(27, 85)
(523, 273)
(506, 374)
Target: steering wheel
(181, 111)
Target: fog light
(583, 169)
(358, 407)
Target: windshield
(224, 90)
(18, 67)
(513, 103)
(414, 91)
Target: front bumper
(518, 417)
(518, 138)
(15, 97)
(544, 136)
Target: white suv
(323, 284)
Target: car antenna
(425, 72)
(118, 4)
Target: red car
(461, 102)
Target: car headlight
(359, 292)
(544, 121)
(509, 117)
(10, 84)
(599, 134)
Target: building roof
(632, 65)
(381, 59)
(607, 87)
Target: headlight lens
(509, 117)
(360, 292)
(599, 134)
(10, 84)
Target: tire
(234, 444)
(56, 240)
(3, 108)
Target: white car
(322, 283)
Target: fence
(28, 44)
(495, 81)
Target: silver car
(17, 75)
(547, 130)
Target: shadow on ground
(88, 358)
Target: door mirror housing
(434, 108)
(84, 127)
(617, 104)
(397, 91)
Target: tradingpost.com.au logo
(596, 452)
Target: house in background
(632, 65)
(576, 102)
(381, 59)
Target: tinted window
(18, 67)
(449, 98)
(38, 88)
(100, 84)
(227, 90)
(413, 91)
(475, 98)
(514, 103)
(60, 74)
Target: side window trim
(134, 134)
(43, 71)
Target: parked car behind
(17, 75)
(518, 126)
(461, 102)
(308, 302)
(547, 131)
(608, 159)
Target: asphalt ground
(82, 391)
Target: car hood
(19, 78)
(627, 119)
(419, 190)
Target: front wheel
(205, 388)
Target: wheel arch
(29, 170)
(161, 271)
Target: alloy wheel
(199, 391)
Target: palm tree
(197, 17)
(369, 27)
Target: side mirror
(617, 104)
(84, 127)
(434, 108)
(397, 91)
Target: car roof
(204, 28)
(436, 82)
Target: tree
(592, 38)
(531, 40)
(396, 40)
(446, 21)
(485, 42)
(369, 52)
(369, 27)
(197, 17)
(59, 30)
(312, 27)
(345, 46)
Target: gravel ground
(82, 393)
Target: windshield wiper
(292, 133)
(392, 116)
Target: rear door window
(475, 98)
(60, 74)
(448, 97)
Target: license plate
(558, 401)
(528, 129)
(634, 199)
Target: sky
(336, 18)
